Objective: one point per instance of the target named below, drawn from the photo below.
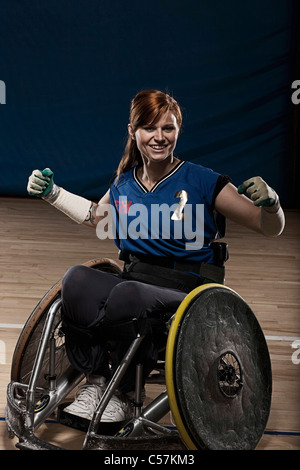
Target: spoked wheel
(218, 371)
(28, 342)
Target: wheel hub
(229, 375)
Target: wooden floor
(38, 244)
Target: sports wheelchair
(216, 370)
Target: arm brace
(75, 207)
(272, 219)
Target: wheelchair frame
(29, 403)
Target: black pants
(88, 296)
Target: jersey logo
(123, 206)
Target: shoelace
(123, 404)
(88, 393)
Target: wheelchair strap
(185, 276)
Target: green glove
(48, 174)
(40, 183)
(258, 191)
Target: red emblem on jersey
(123, 206)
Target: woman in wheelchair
(164, 214)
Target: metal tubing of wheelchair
(65, 384)
(138, 390)
(113, 383)
(52, 375)
(158, 408)
(149, 417)
(142, 425)
(38, 362)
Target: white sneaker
(119, 408)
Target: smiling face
(157, 141)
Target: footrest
(82, 424)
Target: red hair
(146, 108)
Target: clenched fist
(40, 183)
(258, 191)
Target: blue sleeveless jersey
(175, 219)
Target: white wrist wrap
(272, 220)
(75, 207)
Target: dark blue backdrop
(71, 68)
